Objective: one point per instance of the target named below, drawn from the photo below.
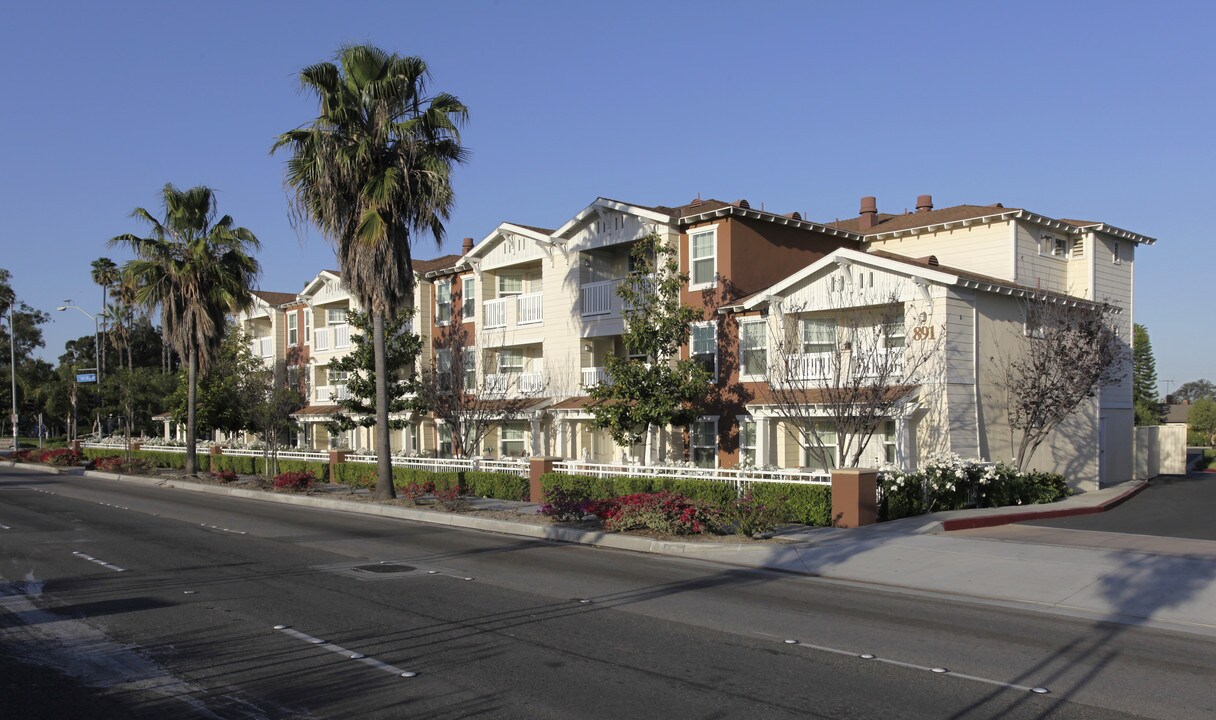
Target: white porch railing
(320, 339)
(530, 309)
(593, 376)
(495, 313)
(496, 383)
(331, 393)
(341, 336)
(597, 297)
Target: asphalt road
(164, 603)
(1171, 506)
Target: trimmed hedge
(502, 486)
(497, 485)
(160, 459)
(239, 464)
(809, 504)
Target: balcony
(499, 384)
(328, 394)
(599, 298)
(334, 337)
(262, 347)
(811, 366)
(524, 310)
(593, 376)
(823, 366)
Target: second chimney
(924, 203)
(467, 246)
(869, 212)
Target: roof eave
(751, 214)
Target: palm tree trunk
(384, 467)
(191, 396)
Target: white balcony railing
(331, 393)
(262, 347)
(531, 382)
(593, 376)
(598, 297)
(811, 366)
(341, 336)
(530, 309)
(495, 313)
(320, 339)
(496, 384)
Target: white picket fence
(741, 478)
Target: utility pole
(12, 363)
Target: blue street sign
(86, 377)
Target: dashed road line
(912, 666)
(372, 662)
(102, 563)
(217, 527)
(4, 527)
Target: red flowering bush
(416, 490)
(663, 512)
(294, 480)
(450, 498)
(749, 516)
(224, 476)
(61, 457)
(107, 464)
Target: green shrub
(497, 485)
(804, 503)
(749, 516)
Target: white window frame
(806, 346)
(1114, 256)
(442, 287)
(892, 330)
(890, 441)
(504, 292)
(443, 368)
(744, 370)
(747, 452)
(713, 341)
(693, 282)
(511, 353)
(514, 427)
(308, 326)
(468, 301)
(293, 328)
(693, 447)
(441, 430)
(1053, 246)
(810, 447)
(469, 358)
(331, 313)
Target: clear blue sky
(1096, 110)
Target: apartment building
(538, 312)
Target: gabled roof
(275, 299)
(654, 214)
(541, 235)
(926, 268)
(320, 278)
(888, 225)
(422, 267)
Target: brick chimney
(924, 203)
(869, 212)
(467, 246)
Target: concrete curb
(982, 521)
(37, 467)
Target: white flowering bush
(948, 481)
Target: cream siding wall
(1038, 270)
(977, 248)
(958, 309)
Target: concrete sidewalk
(1129, 579)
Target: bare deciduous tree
(1072, 348)
(837, 377)
(449, 389)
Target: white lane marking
(102, 563)
(926, 668)
(120, 507)
(217, 527)
(5, 527)
(344, 652)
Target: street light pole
(12, 366)
(96, 344)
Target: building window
(293, 330)
(443, 368)
(1114, 258)
(468, 298)
(444, 434)
(893, 334)
(307, 326)
(470, 367)
(705, 443)
(1053, 246)
(753, 347)
(747, 441)
(510, 284)
(818, 335)
(511, 361)
(703, 343)
(888, 442)
(511, 440)
(703, 251)
(335, 316)
(443, 302)
(820, 447)
(410, 433)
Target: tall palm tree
(372, 171)
(196, 270)
(105, 273)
